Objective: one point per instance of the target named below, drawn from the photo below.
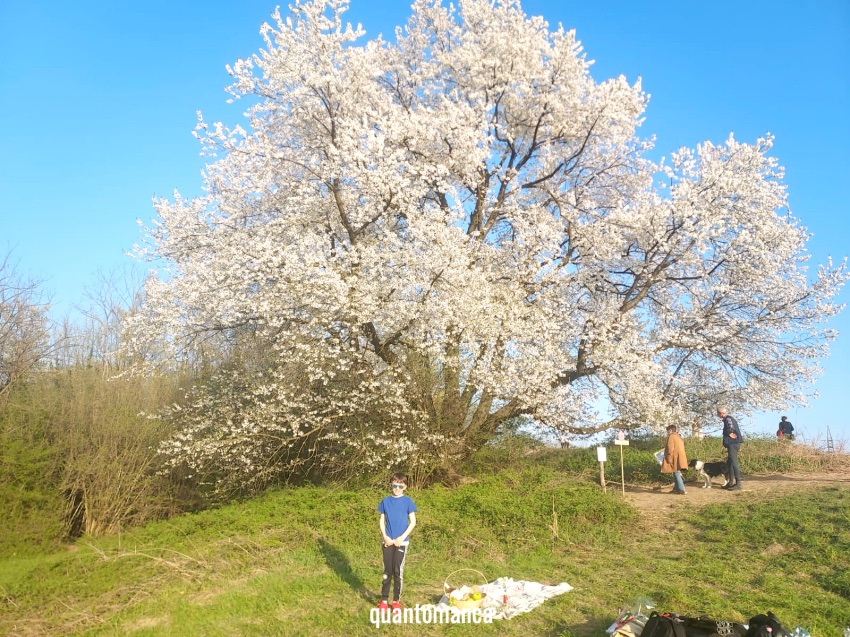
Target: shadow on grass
(592, 627)
(340, 565)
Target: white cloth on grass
(522, 596)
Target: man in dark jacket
(732, 441)
(786, 429)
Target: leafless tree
(112, 296)
(25, 331)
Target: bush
(73, 441)
(32, 510)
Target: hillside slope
(305, 561)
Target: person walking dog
(732, 441)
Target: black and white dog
(709, 470)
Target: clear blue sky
(98, 101)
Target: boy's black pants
(393, 570)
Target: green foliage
(763, 456)
(76, 456)
(804, 535)
(306, 560)
(32, 513)
(639, 464)
(517, 507)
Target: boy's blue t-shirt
(396, 511)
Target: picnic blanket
(521, 596)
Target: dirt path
(657, 503)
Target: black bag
(665, 625)
(705, 627)
(760, 623)
(672, 625)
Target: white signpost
(622, 442)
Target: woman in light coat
(675, 461)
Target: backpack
(766, 626)
(665, 625)
(705, 627)
(672, 625)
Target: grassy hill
(306, 560)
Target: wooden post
(622, 471)
(602, 456)
(622, 442)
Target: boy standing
(398, 518)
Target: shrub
(73, 441)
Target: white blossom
(472, 218)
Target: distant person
(564, 439)
(398, 518)
(786, 429)
(675, 461)
(732, 441)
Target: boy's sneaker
(397, 606)
(383, 605)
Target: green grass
(762, 456)
(306, 561)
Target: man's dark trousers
(734, 469)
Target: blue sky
(98, 100)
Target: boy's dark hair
(671, 428)
(399, 477)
